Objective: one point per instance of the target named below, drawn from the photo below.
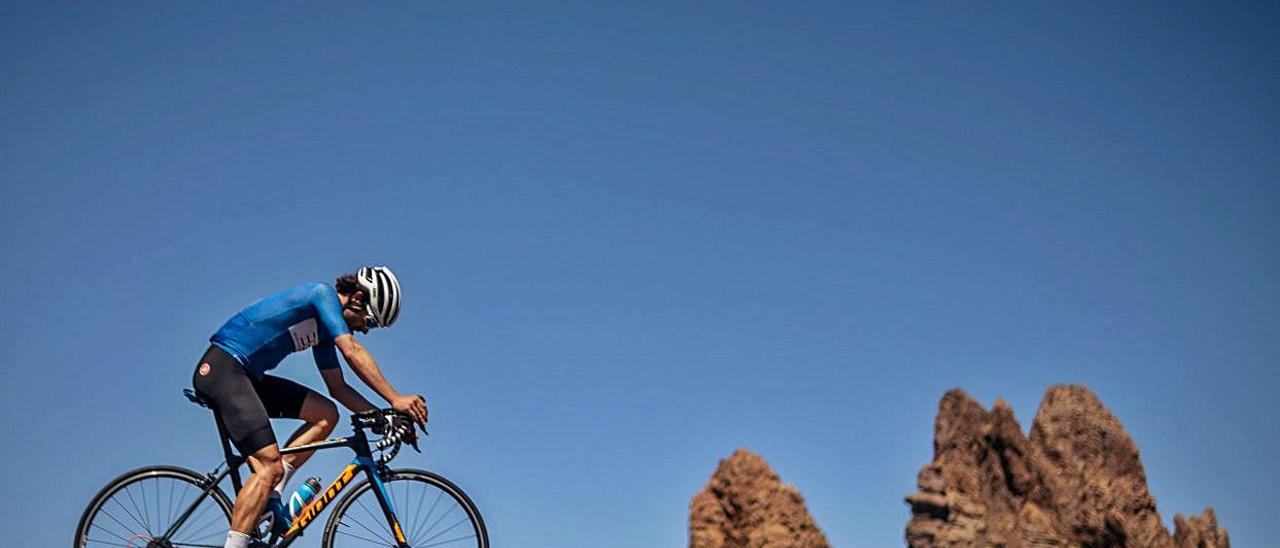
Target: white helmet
(382, 291)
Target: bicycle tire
(138, 475)
(437, 481)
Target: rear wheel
(137, 508)
(432, 511)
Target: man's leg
(222, 380)
(320, 416)
(285, 399)
(252, 498)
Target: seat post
(233, 461)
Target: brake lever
(408, 435)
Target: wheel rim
(137, 512)
(431, 515)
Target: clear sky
(635, 237)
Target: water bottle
(299, 499)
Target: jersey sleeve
(329, 310)
(326, 356)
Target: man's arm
(343, 392)
(362, 363)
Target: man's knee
(330, 413)
(324, 415)
(268, 464)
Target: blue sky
(633, 238)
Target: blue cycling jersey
(309, 315)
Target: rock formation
(745, 505)
(1076, 480)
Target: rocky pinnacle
(1077, 480)
(746, 505)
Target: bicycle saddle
(196, 399)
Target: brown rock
(1199, 531)
(745, 505)
(1076, 481)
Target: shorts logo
(204, 369)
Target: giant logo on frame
(312, 510)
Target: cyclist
(232, 375)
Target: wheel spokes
(429, 516)
(140, 508)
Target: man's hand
(414, 406)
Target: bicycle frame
(362, 462)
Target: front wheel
(431, 510)
(136, 509)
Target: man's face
(355, 312)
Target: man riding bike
(231, 375)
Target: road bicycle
(173, 507)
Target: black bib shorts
(246, 405)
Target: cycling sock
(236, 539)
(284, 480)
